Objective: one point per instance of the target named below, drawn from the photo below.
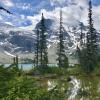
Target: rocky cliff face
(18, 41)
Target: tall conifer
(43, 44)
(88, 54)
(37, 49)
(62, 58)
(91, 45)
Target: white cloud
(22, 16)
(7, 3)
(69, 2)
(1, 18)
(54, 2)
(23, 6)
(96, 17)
(35, 19)
(9, 23)
(72, 14)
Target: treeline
(41, 54)
(87, 51)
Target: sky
(96, 2)
(26, 13)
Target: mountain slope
(17, 41)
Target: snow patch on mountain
(9, 54)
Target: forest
(61, 82)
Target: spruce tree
(81, 36)
(17, 61)
(37, 49)
(88, 54)
(43, 44)
(91, 45)
(81, 49)
(62, 58)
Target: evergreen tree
(81, 49)
(17, 61)
(88, 54)
(36, 60)
(81, 35)
(62, 58)
(91, 45)
(43, 44)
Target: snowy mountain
(15, 40)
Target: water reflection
(51, 85)
(74, 89)
(79, 88)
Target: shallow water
(24, 66)
(79, 88)
(74, 89)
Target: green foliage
(37, 49)
(62, 58)
(6, 74)
(66, 62)
(41, 54)
(43, 44)
(51, 70)
(97, 70)
(88, 53)
(14, 87)
(76, 70)
(23, 88)
(91, 45)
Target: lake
(29, 66)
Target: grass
(24, 86)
